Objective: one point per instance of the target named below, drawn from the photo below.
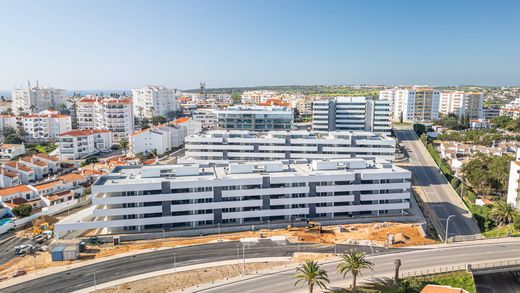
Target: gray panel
(266, 200)
(332, 115)
(217, 197)
(312, 193)
(166, 205)
(357, 194)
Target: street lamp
(218, 224)
(95, 280)
(447, 225)
(372, 259)
(174, 261)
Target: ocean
(7, 93)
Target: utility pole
(243, 259)
(447, 226)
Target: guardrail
(472, 268)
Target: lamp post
(447, 226)
(243, 259)
(218, 224)
(174, 261)
(95, 280)
(372, 259)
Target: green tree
(237, 98)
(501, 121)
(123, 142)
(156, 120)
(310, 274)
(386, 284)
(503, 213)
(22, 210)
(401, 117)
(488, 174)
(353, 261)
(419, 129)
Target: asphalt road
(7, 247)
(83, 277)
(497, 283)
(283, 281)
(438, 193)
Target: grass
(502, 231)
(40, 148)
(460, 279)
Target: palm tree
(388, 285)
(503, 213)
(354, 262)
(310, 273)
(123, 142)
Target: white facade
(257, 97)
(414, 104)
(513, 188)
(37, 99)
(102, 113)
(206, 117)
(188, 126)
(256, 118)
(10, 151)
(161, 138)
(220, 146)
(141, 198)
(351, 114)
(78, 144)
(151, 101)
(7, 121)
(45, 126)
(461, 103)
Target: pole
(372, 269)
(243, 260)
(95, 280)
(238, 253)
(218, 230)
(447, 226)
(174, 262)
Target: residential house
(10, 151)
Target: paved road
(283, 281)
(111, 270)
(7, 247)
(497, 283)
(437, 193)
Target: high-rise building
(461, 103)
(36, 99)
(151, 101)
(256, 118)
(43, 127)
(351, 114)
(103, 113)
(513, 188)
(413, 104)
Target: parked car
(22, 249)
(19, 273)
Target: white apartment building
(77, 144)
(37, 99)
(256, 118)
(461, 103)
(10, 151)
(257, 97)
(144, 198)
(513, 188)
(8, 121)
(414, 104)
(161, 138)
(188, 126)
(151, 101)
(43, 127)
(221, 146)
(206, 117)
(103, 113)
(351, 114)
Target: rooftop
(14, 189)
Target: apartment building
(256, 118)
(206, 117)
(513, 188)
(461, 103)
(490, 112)
(144, 198)
(44, 127)
(151, 101)
(8, 178)
(188, 126)
(10, 151)
(257, 97)
(221, 146)
(104, 113)
(413, 104)
(77, 144)
(36, 99)
(162, 139)
(351, 114)
(8, 121)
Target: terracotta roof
(47, 185)
(71, 177)
(15, 202)
(8, 173)
(139, 132)
(45, 116)
(517, 163)
(441, 289)
(10, 146)
(78, 132)
(59, 195)
(14, 189)
(182, 120)
(7, 116)
(19, 166)
(46, 156)
(150, 162)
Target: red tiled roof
(182, 120)
(14, 189)
(71, 177)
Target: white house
(160, 138)
(78, 143)
(9, 151)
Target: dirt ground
(350, 234)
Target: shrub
(22, 210)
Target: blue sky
(111, 44)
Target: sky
(116, 44)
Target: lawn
(460, 279)
(40, 148)
(502, 232)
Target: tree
(11, 136)
(22, 210)
(123, 142)
(237, 98)
(401, 117)
(488, 174)
(21, 132)
(354, 262)
(310, 273)
(503, 213)
(419, 129)
(153, 153)
(156, 120)
(386, 284)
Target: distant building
(37, 99)
(151, 101)
(44, 127)
(103, 113)
(461, 103)
(511, 112)
(351, 114)
(8, 121)
(416, 104)
(206, 117)
(513, 187)
(188, 126)
(490, 112)
(162, 138)
(257, 97)
(77, 144)
(10, 151)
(255, 118)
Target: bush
(455, 182)
(22, 210)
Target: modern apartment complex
(141, 198)
(104, 113)
(461, 103)
(43, 127)
(513, 188)
(36, 99)
(413, 104)
(151, 101)
(78, 144)
(351, 114)
(206, 117)
(256, 118)
(161, 138)
(221, 146)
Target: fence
(473, 268)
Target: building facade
(144, 198)
(461, 103)
(206, 117)
(255, 118)
(220, 146)
(44, 127)
(37, 99)
(416, 104)
(151, 101)
(77, 144)
(104, 113)
(162, 138)
(351, 114)
(513, 187)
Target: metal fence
(464, 267)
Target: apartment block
(147, 198)
(461, 103)
(256, 118)
(351, 114)
(10, 151)
(77, 144)
(151, 101)
(513, 188)
(36, 99)
(206, 117)
(104, 113)
(221, 146)
(44, 127)
(8, 121)
(416, 104)
(162, 138)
